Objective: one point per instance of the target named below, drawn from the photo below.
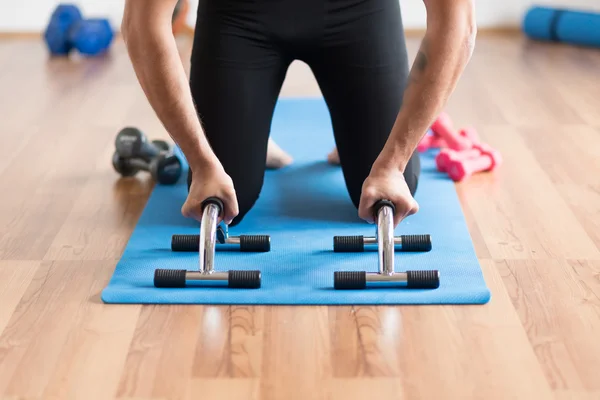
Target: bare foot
(276, 157)
(333, 157)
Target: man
(379, 107)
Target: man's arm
(147, 32)
(444, 53)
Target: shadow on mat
(313, 192)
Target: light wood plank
(91, 364)
(103, 216)
(536, 102)
(468, 105)
(575, 395)
(517, 88)
(31, 219)
(361, 341)
(576, 177)
(519, 211)
(159, 362)
(481, 248)
(94, 357)
(17, 91)
(15, 277)
(483, 347)
(574, 75)
(584, 200)
(296, 353)
(39, 205)
(214, 389)
(360, 389)
(577, 145)
(33, 341)
(234, 336)
(561, 312)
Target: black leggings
(241, 53)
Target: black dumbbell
(162, 145)
(132, 143)
(384, 215)
(169, 278)
(164, 168)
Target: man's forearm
(442, 57)
(156, 62)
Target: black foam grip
(348, 244)
(255, 243)
(349, 280)
(185, 242)
(244, 279)
(383, 203)
(216, 201)
(416, 242)
(423, 279)
(169, 278)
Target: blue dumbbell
(62, 21)
(92, 37)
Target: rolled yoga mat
(561, 25)
(303, 207)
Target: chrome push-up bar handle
(386, 245)
(246, 243)
(205, 245)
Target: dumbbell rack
(241, 279)
(386, 243)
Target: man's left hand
(386, 183)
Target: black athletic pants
(241, 52)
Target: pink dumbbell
(442, 127)
(431, 142)
(470, 133)
(446, 156)
(487, 161)
(484, 148)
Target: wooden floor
(65, 218)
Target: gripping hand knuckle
(370, 192)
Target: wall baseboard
(20, 35)
(189, 31)
(415, 32)
(499, 30)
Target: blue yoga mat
(568, 26)
(303, 207)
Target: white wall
(32, 15)
(493, 13)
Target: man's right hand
(210, 180)
(148, 34)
